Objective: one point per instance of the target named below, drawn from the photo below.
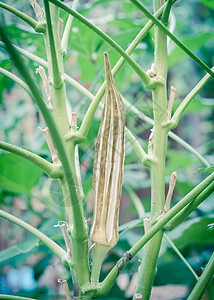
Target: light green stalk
(37, 26)
(16, 79)
(77, 228)
(52, 170)
(56, 249)
(179, 111)
(147, 268)
(67, 30)
(180, 256)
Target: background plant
(90, 66)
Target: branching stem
(56, 249)
(52, 170)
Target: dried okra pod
(108, 169)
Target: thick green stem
(147, 269)
(53, 171)
(57, 79)
(203, 281)
(77, 227)
(56, 249)
(79, 236)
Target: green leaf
(17, 175)
(195, 232)
(208, 3)
(205, 170)
(18, 249)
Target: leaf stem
(179, 111)
(38, 27)
(52, 170)
(173, 38)
(56, 249)
(145, 159)
(16, 79)
(203, 281)
(181, 256)
(64, 42)
(10, 297)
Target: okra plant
(64, 130)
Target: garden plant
(83, 245)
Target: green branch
(57, 79)
(149, 83)
(37, 26)
(29, 55)
(180, 255)
(16, 79)
(173, 38)
(10, 297)
(184, 213)
(166, 12)
(144, 158)
(56, 249)
(52, 170)
(64, 42)
(203, 281)
(179, 111)
(103, 288)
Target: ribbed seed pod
(108, 165)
